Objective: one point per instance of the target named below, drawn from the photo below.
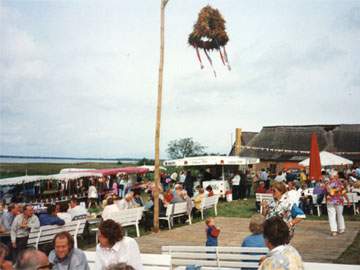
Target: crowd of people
(300, 195)
(114, 252)
(288, 208)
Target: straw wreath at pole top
(209, 34)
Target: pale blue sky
(79, 78)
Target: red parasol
(315, 164)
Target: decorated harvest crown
(209, 34)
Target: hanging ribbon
(198, 56)
(222, 58)
(219, 48)
(226, 59)
(210, 61)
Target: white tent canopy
(33, 178)
(71, 170)
(211, 160)
(151, 168)
(328, 159)
(72, 176)
(21, 180)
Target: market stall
(219, 184)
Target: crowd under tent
(212, 169)
(61, 186)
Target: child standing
(212, 233)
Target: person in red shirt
(210, 191)
(168, 196)
(261, 188)
(212, 232)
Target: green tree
(185, 147)
(145, 161)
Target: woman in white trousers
(335, 205)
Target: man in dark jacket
(189, 184)
(50, 218)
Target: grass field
(246, 209)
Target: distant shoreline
(68, 158)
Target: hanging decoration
(291, 150)
(209, 34)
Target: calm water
(56, 160)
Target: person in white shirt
(182, 177)
(92, 191)
(114, 247)
(76, 210)
(281, 177)
(110, 208)
(236, 186)
(128, 202)
(293, 194)
(174, 176)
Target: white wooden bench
(45, 234)
(329, 266)
(180, 209)
(209, 202)
(156, 261)
(174, 210)
(168, 215)
(260, 197)
(149, 261)
(128, 217)
(353, 198)
(307, 266)
(317, 205)
(227, 257)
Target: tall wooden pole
(237, 142)
(158, 117)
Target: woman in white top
(236, 186)
(92, 192)
(114, 247)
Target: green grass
(351, 254)
(245, 209)
(239, 208)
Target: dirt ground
(312, 238)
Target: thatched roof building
(290, 143)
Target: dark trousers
(248, 191)
(235, 192)
(267, 184)
(242, 191)
(7, 242)
(21, 244)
